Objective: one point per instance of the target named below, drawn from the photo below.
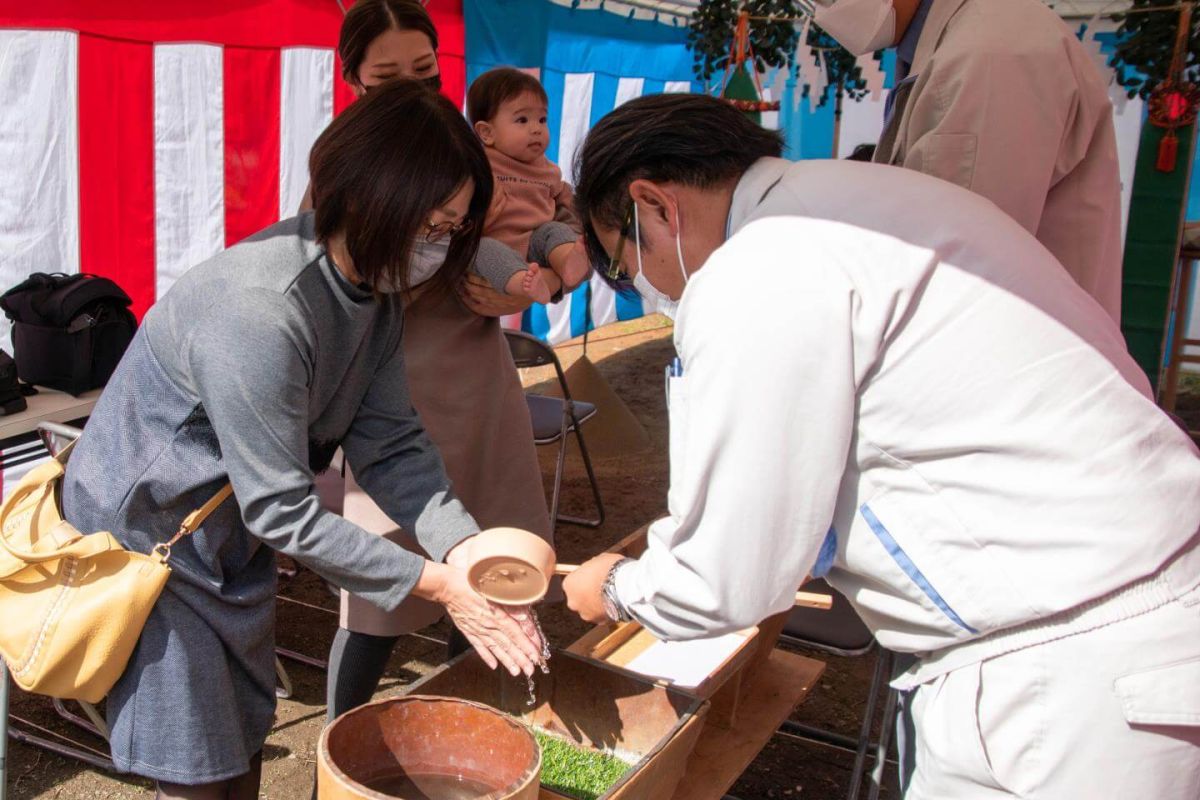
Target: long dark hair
(382, 166)
(367, 19)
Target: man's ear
(655, 203)
(485, 132)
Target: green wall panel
(1151, 247)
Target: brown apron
(467, 391)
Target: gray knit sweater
(254, 368)
(288, 360)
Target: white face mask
(426, 259)
(651, 296)
(860, 26)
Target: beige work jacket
(1007, 103)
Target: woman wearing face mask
(461, 376)
(252, 370)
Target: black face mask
(434, 83)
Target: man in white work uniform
(888, 382)
(1000, 97)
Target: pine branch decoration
(841, 66)
(1146, 44)
(712, 25)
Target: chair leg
(301, 658)
(558, 470)
(885, 738)
(591, 473)
(882, 662)
(94, 724)
(284, 690)
(3, 728)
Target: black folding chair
(554, 418)
(839, 631)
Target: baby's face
(519, 128)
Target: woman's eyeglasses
(615, 272)
(436, 231)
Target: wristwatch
(613, 607)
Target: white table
(47, 405)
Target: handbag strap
(40, 478)
(192, 521)
(87, 546)
(76, 546)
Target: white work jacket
(889, 382)
(1007, 103)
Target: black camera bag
(69, 331)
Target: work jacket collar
(756, 183)
(932, 32)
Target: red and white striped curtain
(139, 138)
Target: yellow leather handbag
(73, 605)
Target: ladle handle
(805, 599)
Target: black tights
(243, 787)
(357, 662)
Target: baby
(532, 210)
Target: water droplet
(537, 623)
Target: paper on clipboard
(686, 664)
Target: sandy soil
(631, 357)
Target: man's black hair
(690, 139)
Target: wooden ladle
(513, 567)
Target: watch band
(613, 606)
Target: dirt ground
(631, 356)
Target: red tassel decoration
(1168, 152)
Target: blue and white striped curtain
(590, 61)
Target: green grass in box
(575, 771)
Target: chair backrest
(530, 351)
(56, 436)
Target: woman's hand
(479, 296)
(500, 634)
(582, 587)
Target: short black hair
(691, 139)
(381, 168)
(367, 19)
(491, 89)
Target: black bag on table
(69, 331)
(12, 394)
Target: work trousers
(1110, 712)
